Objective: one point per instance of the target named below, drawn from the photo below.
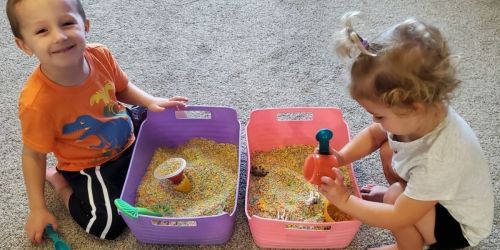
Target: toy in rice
(171, 172)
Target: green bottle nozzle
(324, 136)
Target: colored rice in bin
(212, 169)
(278, 189)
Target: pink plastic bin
(168, 129)
(270, 128)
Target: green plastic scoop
(133, 212)
(58, 243)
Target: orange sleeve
(120, 77)
(37, 130)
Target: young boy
(71, 106)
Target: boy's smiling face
(53, 31)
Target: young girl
(440, 191)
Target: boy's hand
(334, 189)
(159, 104)
(36, 223)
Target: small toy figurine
(321, 163)
(313, 198)
(258, 171)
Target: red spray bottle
(321, 163)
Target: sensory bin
(278, 189)
(212, 169)
(268, 132)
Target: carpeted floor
(249, 55)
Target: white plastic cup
(176, 176)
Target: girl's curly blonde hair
(407, 63)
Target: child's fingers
(38, 237)
(156, 108)
(338, 174)
(326, 180)
(322, 190)
(336, 154)
(180, 103)
(160, 107)
(174, 104)
(179, 98)
(54, 225)
(31, 236)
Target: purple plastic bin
(165, 128)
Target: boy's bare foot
(388, 247)
(55, 179)
(373, 192)
(61, 186)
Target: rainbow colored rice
(213, 171)
(278, 186)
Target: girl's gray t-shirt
(448, 165)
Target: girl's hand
(159, 104)
(338, 156)
(36, 223)
(334, 189)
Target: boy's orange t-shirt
(84, 125)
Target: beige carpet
(248, 55)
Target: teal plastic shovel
(58, 243)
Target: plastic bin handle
(174, 223)
(320, 115)
(216, 113)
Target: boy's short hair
(14, 22)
